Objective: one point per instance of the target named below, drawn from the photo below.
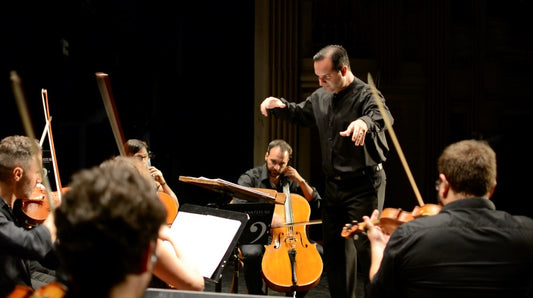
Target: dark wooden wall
(181, 74)
(449, 70)
(183, 79)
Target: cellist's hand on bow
(357, 130)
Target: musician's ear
(444, 185)
(18, 172)
(344, 70)
(149, 258)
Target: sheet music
(204, 238)
(236, 190)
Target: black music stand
(230, 189)
(257, 198)
(258, 226)
(257, 231)
(208, 235)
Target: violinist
(139, 149)
(108, 226)
(469, 249)
(272, 175)
(22, 250)
(173, 268)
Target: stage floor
(319, 291)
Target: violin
(390, 219)
(39, 195)
(34, 211)
(291, 262)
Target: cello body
(291, 262)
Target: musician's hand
(164, 233)
(291, 173)
(357, 130)
(378, 242)
(270, 103)
(49, 223)
(375, 234)
(157, 175)
(277, 221)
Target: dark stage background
(182, 74)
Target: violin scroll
(351, 229)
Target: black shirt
(331, 114)
(258, 178)
(18, 247)
(469, 249)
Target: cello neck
(289, 218)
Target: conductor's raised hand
(270, 103)
(357, 130)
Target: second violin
(391, 218)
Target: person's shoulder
(422, 223)
(253, 171)
(525, 221)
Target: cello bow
(104, 85)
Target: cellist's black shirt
(258, 178)
(469, 249)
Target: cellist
(272, 175)
(139, 149)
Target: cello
(291, 263)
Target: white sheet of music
(204, 238)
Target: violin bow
(44, 96)
(45, 131)
(104, 85)
(16, 84)
(395, 140)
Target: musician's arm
(175, 268)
